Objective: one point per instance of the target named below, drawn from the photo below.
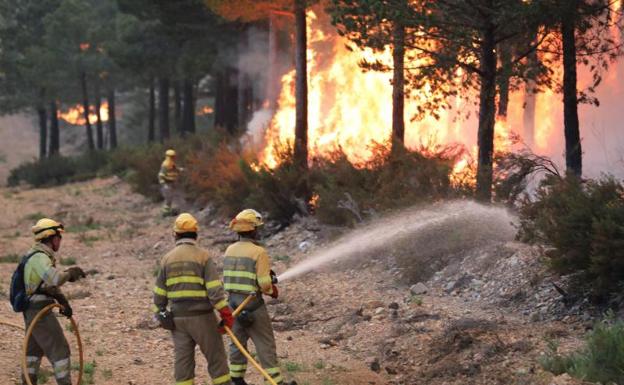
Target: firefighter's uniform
(246, 270)
(42, 277)
(167, 178)
(189, 284)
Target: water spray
(394, 228)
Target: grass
(416, 299)
(88, 373)
(600, 360)
(320, 364)
(88, 240)
(35, 216)
(44, 375)
(107, 374)
(68, 261)
(83, 227)
(10, 258)
(99, 353)
(292, 367)
(328, 381)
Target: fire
(349, 109)
(75, 115)
(205, 110)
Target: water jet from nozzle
(381, 233)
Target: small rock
(418, 289)
(157, 245)
(304, 246)
(393, 305)
(373, 364)
(110, 277)
(380, 310)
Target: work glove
(226, 319)
(75, 273)
(275, 292)
(66, 310)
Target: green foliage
(601, 360)
(58, 170)
(10, 258)
(320, 364)
(292, 366)
(44, 375)
(583, 223)
(68, 261)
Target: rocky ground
(484, 316)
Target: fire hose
(240, 346)
(29, 332)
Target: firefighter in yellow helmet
(42, 281)
(247, 270)
(168, 178)
(187, 292)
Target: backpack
(19, 299)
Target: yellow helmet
(246, 220)
(170, 153)
(47, 227)
(185, 223)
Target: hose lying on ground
(7, 323)
(29, 332)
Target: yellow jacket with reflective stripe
(168, 172)
(246, 268)
(188, 280)
(42, 267)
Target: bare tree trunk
(85, 106)
(99, 127)
(163, 108)
(112, 119)
(151, 127)
(398, 86)
(226, 101)
(188, 114)
(43, 125)
(177, 108)
(503, 94)
(55, 140)
(301, 86)
(487, 111)
(574, 153)
(273, 81)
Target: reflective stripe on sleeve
(155, 309)
(186, 382)
(221, 304)
(239, 274)
(184, 279)
(265, 280)
(213, 284)
(159, 291)
(240, 287)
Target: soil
(351, 323)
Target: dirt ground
(349, 325)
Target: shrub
(583, 224)
(601, 360)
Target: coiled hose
(29, 332)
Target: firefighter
(188, 283)
(42, 281)
(168, 178)
(247, 271)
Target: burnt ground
(485, 318)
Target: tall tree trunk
(574, 154)
(188, 114)
(43, 125)
(273, 81)
(112, 119)
(99, 127)
(226, 100)
(301, 86)
(487, 111)
(177, 107)
(151, 126)
(55, 140)
(503, 94)
(163, 108)
(398, 85)
(85, 107)
(530, 97)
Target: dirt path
(351, 325)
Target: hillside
(488, 310)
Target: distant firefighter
(168, 179)
(187, 291)
(41, 287)
(247, 271)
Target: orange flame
(75, 115)
(205, 110)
